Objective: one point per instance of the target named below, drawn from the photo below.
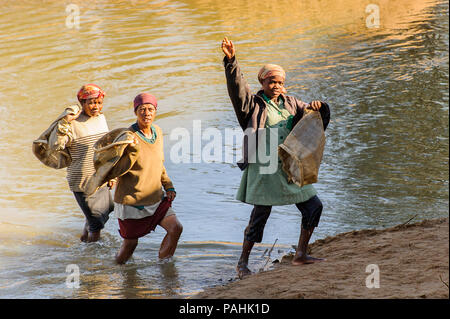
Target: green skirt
(271, 189)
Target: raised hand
(228, 48)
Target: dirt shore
(412, 262)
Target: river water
(385, 161)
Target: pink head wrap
(90, 91)
(145, 98)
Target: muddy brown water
(385, 160)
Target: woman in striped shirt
(80, 132)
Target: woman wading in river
(144, 193)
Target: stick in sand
(268, 255)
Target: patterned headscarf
(90, 91)
(269, 70)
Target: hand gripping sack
(301, 152)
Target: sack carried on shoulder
(114, 154)
(44, 146)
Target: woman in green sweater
(139, 202)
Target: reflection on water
(386, 158)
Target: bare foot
(93, 237)
(85, 234)
(126, 250)
(118, 259)
(302, 260)
(243, 271)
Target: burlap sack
(301, 152)
(45, 147)
(114, 155)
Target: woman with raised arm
(276, 113)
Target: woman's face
(145, 114)
(273, 86)
(93, 107)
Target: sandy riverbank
(413, 262)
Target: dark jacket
(251, 109)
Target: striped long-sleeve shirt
(85, 131)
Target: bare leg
(301, 257)
(126, 250)
(169, 244)
(242, 266)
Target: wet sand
(412, 260)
